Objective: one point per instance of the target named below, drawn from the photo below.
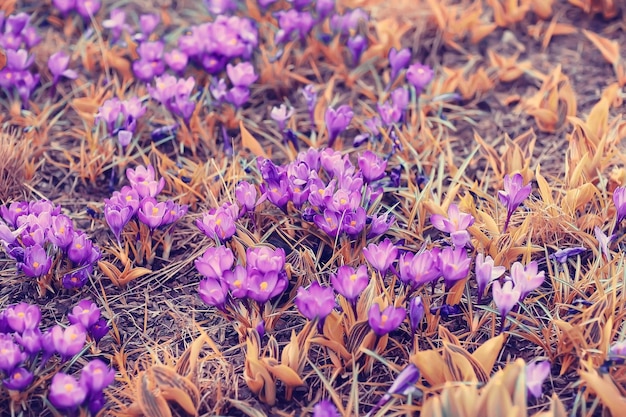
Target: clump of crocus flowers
(17, 36)
(121, 117)
(30, 355)
(241, 292)
(136, 205)
(325, 188)
(45, 244)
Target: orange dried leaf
(248, 141)
(608, 48)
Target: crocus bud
(416, 312)
(536, 373)
(337, 121)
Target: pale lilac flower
(455, 224)
(381, 256)
(619, 199)
(486, 272)
(215, 261)
(526, 278)
(315, 302)
(515, 192)
(454, 264)
(66, 393)
(506, 297)
(383, 322)
(536, 374)
(603, 242)
(350, 282)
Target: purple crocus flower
(526, 278)
(380, 225)
(619, 199)
(323, 8)
(454, 264)
(36, 261)
(173, 212)
(220, 7)
(22, 316)
(213, 292)
(265, 259)
(109, 113)
(86, 313)
(10, 354)
(265, 286)
(381, 256)
(64, 6)
(486, 272)
(218, 224)
(246, 196)
(383, 322)
(398, 60)
(400, 98)
(337, 121)
(117, 217)
(65, 392)
(58, 64)
(350, 282)
(151, 213)
(280, 115)
(142, 179)
(425, 267)
(241, 75)
(416, 312)
(69, 341)
(562, 255)
(515, 192)
(96, 376)
(506, 297)
(148, 22)
(329, 222)
(419, 76)
(215, 261)
(82, 251)
(14, 210)
(237, 281)
(18, 380)
(61, 231)
(356, 44)
(99, 330)
(315, 302)
(75, 279)
(176, 60)
(87, 9)
(310, 97)
(116, 23)
(536, 374)
(30, 340)
(403, 384)
(603, 241)
(372, 167)
(325, 408)
(238, 96)
(389, 113)
(455, 224)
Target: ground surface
(505, 118)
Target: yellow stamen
(35, 264)
(353, 277)
(263, 286)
